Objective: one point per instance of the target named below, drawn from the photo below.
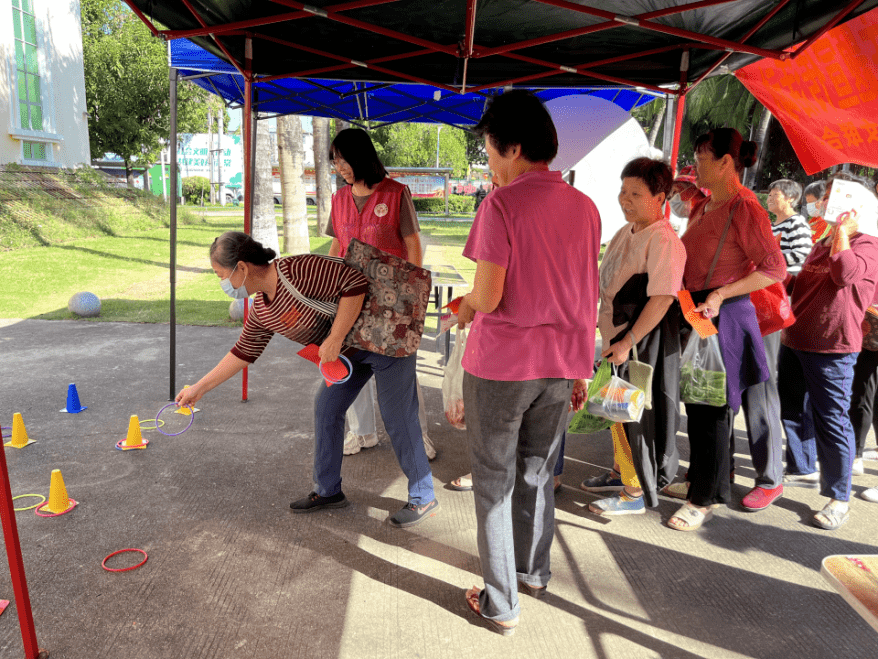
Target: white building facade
(43, 115)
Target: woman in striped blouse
(245, 268)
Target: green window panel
(16, 4)
(36, 117)
(30, 28)
(33, 89)
(34, 150)
(23, 113)
(16, 23)
(27, 150)
(19, 56)
(31, 58)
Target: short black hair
(816, 189)
(355, 147)
(789, 189)
(728, 141)
(519, 117)
(655, 173)
(233, 247)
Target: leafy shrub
(458, 204)
(196, 188)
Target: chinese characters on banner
(827, 98)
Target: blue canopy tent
(358, 101)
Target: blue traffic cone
(73, 406)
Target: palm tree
(322, 171)
(290, 156)
(264, 227)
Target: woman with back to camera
(245, 268)
(720, 278)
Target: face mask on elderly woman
(812, 208)
(679, 207)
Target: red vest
(377, 224)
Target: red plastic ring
(123, 569)
(121, 445)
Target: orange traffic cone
(19, 433)
(134, 439)
(59, 503)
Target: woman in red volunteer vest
(376, 210)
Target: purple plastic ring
(345, 378)
(174, 434)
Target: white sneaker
(870, 454)
(429, 448)
(353, 443)
(857, 469)
(871, 494)
(802, 480)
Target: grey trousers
(514, 439)
(761, 405)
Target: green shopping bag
(584, 422)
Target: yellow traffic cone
(134, 439)
(19, 433)
(185, 409)
(59, 502)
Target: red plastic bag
(773, 311)
(452, 383)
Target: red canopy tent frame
(466, 50)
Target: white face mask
(679, 207)
(237, 293)
(812, 209)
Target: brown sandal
(506, 628)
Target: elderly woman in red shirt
(817, 356)
(732, 226)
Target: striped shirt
(323, 278)
(795, 241)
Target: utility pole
(220, 155)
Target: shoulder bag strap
(722, 242)
(325, 308)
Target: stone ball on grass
(85, 304)
(236, 310)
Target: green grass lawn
(130, 272)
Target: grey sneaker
(412, 514)
(608, 482)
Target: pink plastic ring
(173, 434)
(121, 445)
(123, 569)
(64, 512)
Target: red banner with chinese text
(827, 98)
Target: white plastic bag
(702, 372)
(618, 401)
(452, 382)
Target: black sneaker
(314, 502)
(412, 514)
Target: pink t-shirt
(655, 250)
(750, 245)
(547, 236)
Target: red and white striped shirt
(323, 278)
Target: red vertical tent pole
(247, 125)
(681, 105)
(16, 564)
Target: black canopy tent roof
(469, 45)
(478, 46)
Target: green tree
(414, 145)
(127, 86)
